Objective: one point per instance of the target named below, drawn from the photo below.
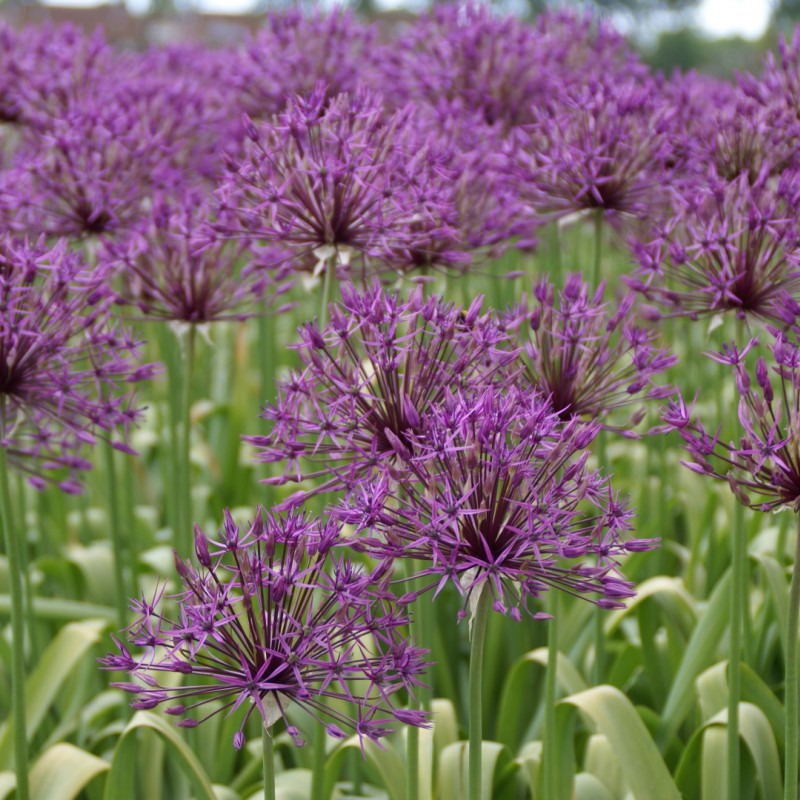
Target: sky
(746, 18)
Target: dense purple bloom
(496, 496)
(292, 52)
(587, 357)
(762, 462)
(271, 619)
(85, 172)
(369, 379)
(492, 66)
(171, 268)
(332, 179)
(65, 368)
(599, 147)
(731, 247)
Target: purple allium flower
(369, 379)
(83, 173)
(331, 178)
(172, 268)
(273, 618)
(599, 147)
(292, 52)
(761, 463)
(494, 67)
(45, 68)
(729, 248)
(496, 495)
(64, 366)
(587, 357)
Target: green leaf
(63, 772)
(514, 716)
(587, 787)
(120, 783)
(58, 609)
(56, 665)
(496, 768)
(385, 759)
(614, 716)
(699, 654)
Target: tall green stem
(475, 694)
(268, 750)
(13, 553)
(734, 665)
(117, 544)
(185, 536)
(318, 755)
(550, 755)
(599, 629)
(598, 246)
(327, 287)
(792, 706)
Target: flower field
(405, 414)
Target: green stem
(268, 749)
(27, 588)
(598, 246)
(599, 630)
(550, 755)
(734, 664)
(318, 755)
(13, 552)
(185, 536)
(412, 762)
(117, 543)
(327, 286)
(555, 248)
(792, 707)
(475, 694)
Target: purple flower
(331, 179)
(599, 147)
(588, 358)
(292, 52)
(369, 379)
(172, 268)
(494, 67)
(761, 462)
(64, 366)
(271, 619)
(496, 496)
(731, 247)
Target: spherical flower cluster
(730, 248)
(65, 367)
(599, 147)
(495, 495)
(368, 381)
(762, 462)
(332, 178)
(171, 268)
(273, 618)
(588, 358)
(292, 53)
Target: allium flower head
(65, 368)
(171, 268)
(761, 462)
(494, 67)
(331, 177)
(599, 147)
(587, 357)
(369, 379)
(497, 497)
(273, 618)
(85, 172)
(292, 52)
(731, 247)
